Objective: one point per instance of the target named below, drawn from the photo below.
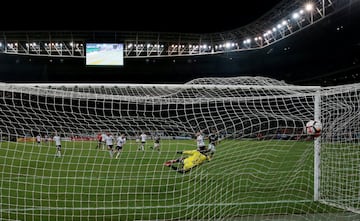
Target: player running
(99, 138)
(38, 138)
(213, 141)
(200, 141)
(143, 137)
(120, 141)
(156, 143)
(109, 143)
(103, 140)
(57, 141)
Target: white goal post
(264, 168)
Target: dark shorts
(202, 148)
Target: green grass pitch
(246, 177)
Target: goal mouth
(263, 164)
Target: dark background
(327, 53)
(183, 16)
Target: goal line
(155, 207)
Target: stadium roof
(325, 53)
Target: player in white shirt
(109, 143)
(124, 139)
(38, 138)
(143, 141)
(103, 140)
(57, 141)
(120, 141)
(46, 138)
(200, 142)
(137, 138)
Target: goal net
(264, 166)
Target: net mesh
(262, 169)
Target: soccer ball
(313, 128)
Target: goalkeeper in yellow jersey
(192, 159)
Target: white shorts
(211, 148)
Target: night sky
(154, 16)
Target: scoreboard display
(108, 54)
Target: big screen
(105, 54)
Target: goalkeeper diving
(189, 160)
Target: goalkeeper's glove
(179, 152)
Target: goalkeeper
(192, 160)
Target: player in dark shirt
(213, 141)
(156, 143)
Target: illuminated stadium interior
(66, 94)
(306, 43)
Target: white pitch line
(152, 207)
